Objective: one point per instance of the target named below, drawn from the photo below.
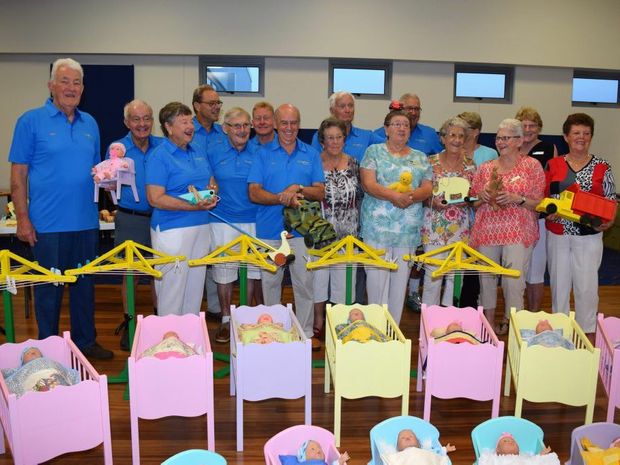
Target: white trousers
(301, 277)
(573, 264)
(222, 234)
(389, 286)
(538, 263)
(431, 294)
(514, 256)
(180, 289)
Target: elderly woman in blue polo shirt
(231, 160)
(179, 227)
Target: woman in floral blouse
(397, 179)
(445, 223)
(506, 226)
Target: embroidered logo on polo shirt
(88, 135)
(303, 162)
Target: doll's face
(356, 315)
(116, 151)
(170, 334)
(31, 354)
(314, 451)
(405, 177)
(543, 325)
(454, 326)
(406, 439)
(265, 318)
(507, 446)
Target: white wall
(525, 32)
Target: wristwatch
(301, 189)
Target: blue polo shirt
(356, 143)
(60, 155)
(231, 169)
(256, 143)
(274, 169)
(175, 169)
(422, 138)
(139, 161)
(203, 138)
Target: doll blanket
(171, 347)
(41, 374)
(266, 333)
(414, 456)
(547, 338)
(359, 331)
(490, 458)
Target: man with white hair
(133, 218)
(342, 107)
(422, 138)
(53, 151)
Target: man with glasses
(207, 107)
(133, 218)
(285, 171)
(342, 107)
(263, 122)
(422, 138)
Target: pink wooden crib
(174, 386)
(266, 371)
(459, 370)
(608, 340)
(42, 425)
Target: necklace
(577, 163)
(448, 165)
(331, 163)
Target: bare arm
(19, 195)
(159, 199)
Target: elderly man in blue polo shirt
(285, 171)
(422, 138)
(54, 148)
(342, 107)
(133, 218)
(207, 107)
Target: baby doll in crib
(358, 329)
(265, 331)
(171, 346)
(507, 452)
(38, 373)
(410, 451)
(311, 453)
(455, 334)
(546, 336)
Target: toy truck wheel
(589, 220)
(551, 208)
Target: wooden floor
(163, 438)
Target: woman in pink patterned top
(505, 228)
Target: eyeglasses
(417, 109)
(239, 126)
(506, 138)
(144, 119)
(400, 125)
(214, 103)
(334, 138)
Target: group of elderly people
(382, 186)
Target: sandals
(502, 328)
